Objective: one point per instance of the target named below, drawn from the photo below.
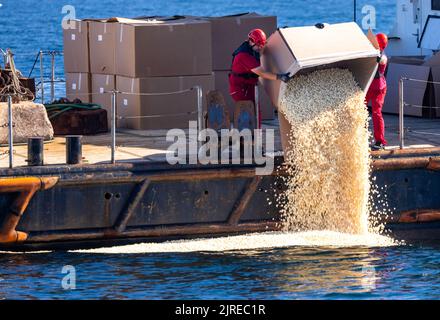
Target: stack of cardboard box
(159, 56)
(228, 33)
(416, 93)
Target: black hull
(106, 205)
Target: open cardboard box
(301, 50)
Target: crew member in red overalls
(246, 69)
(376, 94)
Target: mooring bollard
(73, 150)
(35, 151)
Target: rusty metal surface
(154, 231)
(419, 215)
(409, 152)
(244, 199)
(25, 188)
(145, 199)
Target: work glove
(283, 76)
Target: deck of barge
(151, 145)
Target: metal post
(52, 78)
(199, 108)
(5, 58)
(199, 114)
(113, 126)
(257, 107)
(42, 76)
(10, 133)
(354, 10)
(401, 113)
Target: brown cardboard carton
(101, 85)
(305, 49)
(102, 46)
(78, 86)
(222, 85)
(228, 32)
(163, 47)
(435, 70)
(76, 47)
(130, 104)
(413, 93)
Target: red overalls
(242, 80)
(376, 94)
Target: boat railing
(40, 85)
(403, 104)
(115, 117)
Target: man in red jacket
(246, 69)
(376, 94)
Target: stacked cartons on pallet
(156, 55)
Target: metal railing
(114, 116)
(40, 57)
(403, 104)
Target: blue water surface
(403, 272)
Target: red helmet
(382, 39)
(258, 37)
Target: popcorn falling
(328, 165)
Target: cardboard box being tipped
(301, 50)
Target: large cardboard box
(163, 47)
(101, 85)
(78, 86)
(102, 37)
(76, 47)
(131, 104)
(302, 50)
(414, 91)
(228, 32)
(222, 85)
(419, 96)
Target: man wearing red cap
(246, 68)
(376, 94)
